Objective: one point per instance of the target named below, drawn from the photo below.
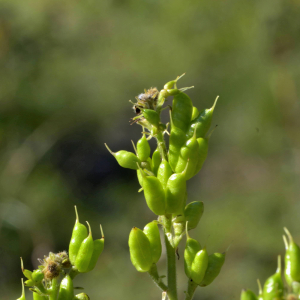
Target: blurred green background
(68, 69)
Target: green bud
(29, 282)
(85, 252)
(199, 266)
(23, 292)
(273, 287)
(193, 213)
(66, 291)
(37, 275)
(292, 260)
(248, 295)
(143, 149)
(82, 296)
(152, 232)
(36, 296)
(215, 263)
(125, 159)
(140, 250)
(78, 235)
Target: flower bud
(37, 275)
(151, 116)
(248, 295)
(82, 296)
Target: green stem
(74, 272)
(191, 289)
(161, 145)
(155, 277)
(171, 261)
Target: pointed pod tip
(288, 234)
(278, 270)
(215, 103)
(76, 213)
(90, 230)
(101, 230)
(286, 244)
(259, 287)
(112, 153)
(22, 265)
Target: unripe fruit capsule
(156, 160)
(191, 248)
(215, 263)
(85, 252)
(140, 250)
(82, 296)
(202, 123)
(273, 287)
(78, 235)
(175, 193)
(193, 213)
(152, 232)
(37, 275)
(66, 291)
(164, 172)
(199, 265)
(154, 194)
(292, 260)
(125, 159)
(143, 149)
(248, 295)
(98, 248)
(151, 116)
(177, 140)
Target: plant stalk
(155, 277)
(171, 262)
(191, 289)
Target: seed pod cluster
(145, 246)
(198, 265)
(84, 251)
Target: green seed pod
(248, 295)
(199, 265)
(193, 213)
(202, 123)
(78, 235)
(202, 153)
(37, 275)
(143, 149)
(29, 282)
(292, 260)
(215, 263)
(98, 248)
(195, 113)
(192, 247)
(125, 159)
(36, 296)
(188, 158)
(66, 291)
(82, 296)
(164, 172)
(152, 232)
(177, 140)
(85, 252)
(26, 273)
(175, 193)
(140, 250)
(154, 194)
(273, 287)
(156, 160)
(182, 110)
(23, 292)
(151, 116)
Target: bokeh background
(68, 69)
